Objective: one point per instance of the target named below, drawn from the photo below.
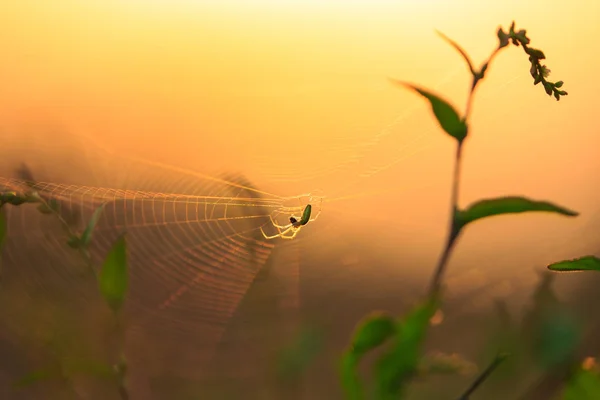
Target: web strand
(195, 247)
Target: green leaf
(535, 53)
(372, 332)
(86, 236)
(503, 38)
(114, 279)
(445, 113)
(349, 376)
(587, 263)
(583, 385)
(506, 205)
(397, 367)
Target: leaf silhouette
(587, 263)
(372, 332)
(445, 113)
(506, 205)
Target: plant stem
(453, 234)
(454, 230)
(483, 376)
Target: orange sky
(294, 94)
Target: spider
(293, 227)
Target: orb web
(365, 160)
(194, 242)
(365, 170)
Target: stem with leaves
(75, 240)
(539, 73)
(397, 367)
(454, 229)
(113, 276)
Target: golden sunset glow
(294, 96)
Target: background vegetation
(548, 339)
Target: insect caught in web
(293, 228)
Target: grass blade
(507, 205)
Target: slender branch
(477, 77)
(454, 231)
(483, 376)
(453, 234)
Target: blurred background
(200, 119)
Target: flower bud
(533, 71)
(503, 37)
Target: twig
(483, 376)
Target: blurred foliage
(545, 339)
(443, 363)
(584, 384)
(398, 366)
(112, 284)
(114, 278)
(297, 356)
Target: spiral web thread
(192, 256)
(359, 165)
(194, 240)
